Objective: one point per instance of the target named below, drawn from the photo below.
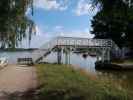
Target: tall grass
(60, 82)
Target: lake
(122, 78)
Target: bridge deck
(69, 41)
(74, 42)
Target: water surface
(122, 78)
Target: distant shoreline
(17, 49)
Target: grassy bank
(60, 82)
(121, 61)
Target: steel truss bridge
(101, 47)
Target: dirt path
(16, 78)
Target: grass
(129, 61)
(61, 82)
(122, 61)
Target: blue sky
(60, 18)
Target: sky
(70, 18)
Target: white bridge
(102, 48)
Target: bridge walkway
(68, 44)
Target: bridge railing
(70, 41)
(43, 49)
(84, 42)
(50, 44)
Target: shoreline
(114, 66)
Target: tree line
(114, 20)
(14, 24)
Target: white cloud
(82, 34)
(84, 8)
(44, 35)
(50, 5)
(85, 33)
(58, 28)
(60, 31)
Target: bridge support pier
(105, 54)
(99, 54)
(67, 56)
(98, 57)
(108, 55)
(59, 55)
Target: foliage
(14, 24)
(61, 82)
(114, 21)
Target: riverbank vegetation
(122, 61)
(119, 27)
(61, 82)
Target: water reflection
(76, 60)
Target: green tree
(114, 21)
(14, 24)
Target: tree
(114, 21)
(14, 24)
